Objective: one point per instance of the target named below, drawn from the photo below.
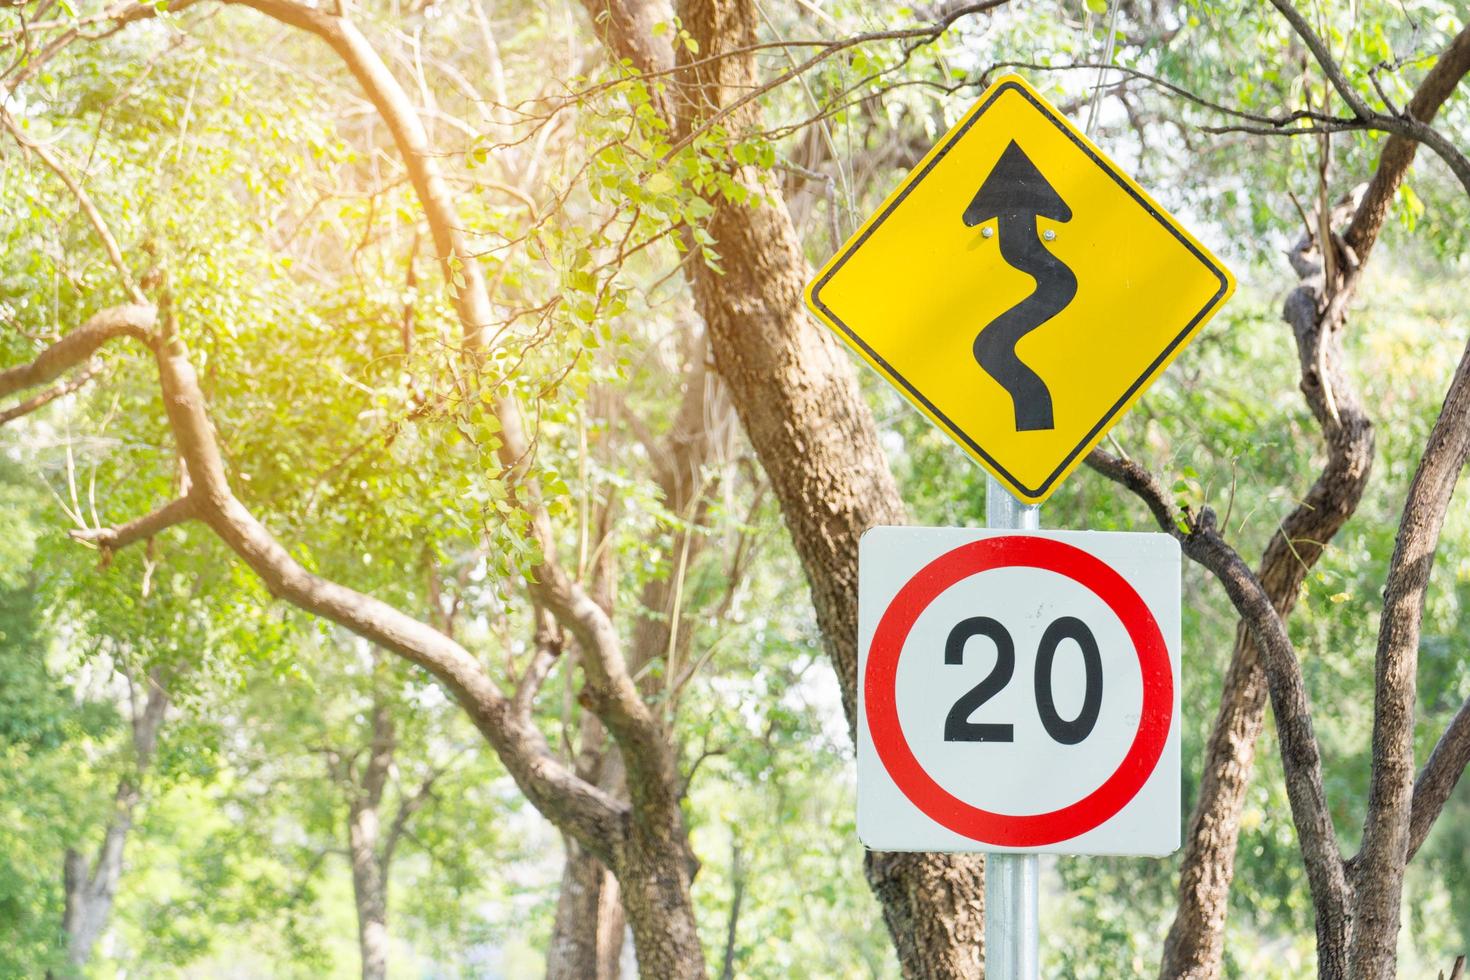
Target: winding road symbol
(1017, 194)
(1025, 346)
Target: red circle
(1010, 830)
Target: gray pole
(1011, 880)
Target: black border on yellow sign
(1095, 433)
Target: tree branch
(919, 36)
(116, 538)
(1300, 755)
(1438, 777)
(1324, 58)
(1458, 163)
(30, 62)
(1195, 941)
(1386, 826)
(1398, 151)
(582, 810)
(472, 301)
(548, 650)
(611, 688)
(1316, 310)
(104, 234)
(408, 807)
(1406, 126)
(133, 320)
(1266, 124)
(46, 397)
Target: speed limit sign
(1019, 691)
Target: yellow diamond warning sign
(1020, 289)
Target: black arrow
(1017, 193)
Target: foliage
(235, 163)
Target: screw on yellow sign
(1020, 289)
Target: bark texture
(1195, 944)
(78, 345)
(588, 930)
(1379, 866)
(798, 399)
(1317, 312)
(587, 933)
(1300, 753)
(1439, 776)
(369, 891)
(587, 936)
(818, 419)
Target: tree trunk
(652, 860)
(1196, 940)
(1379, 872)
(90, 891)
(1317, 311)
(1195, 943)
(587, 937)
(369, 890)
(799, 402)
(366, 848)
(612, 927)
(737, 895)
(798, 398)
(655, 873)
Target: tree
(91, 884)
(1317, 312)
(644, 842)
(42, 743)
(510, 403)
(369, 765)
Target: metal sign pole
(1011, 880)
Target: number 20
(959, 728)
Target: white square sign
(1018, 691)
